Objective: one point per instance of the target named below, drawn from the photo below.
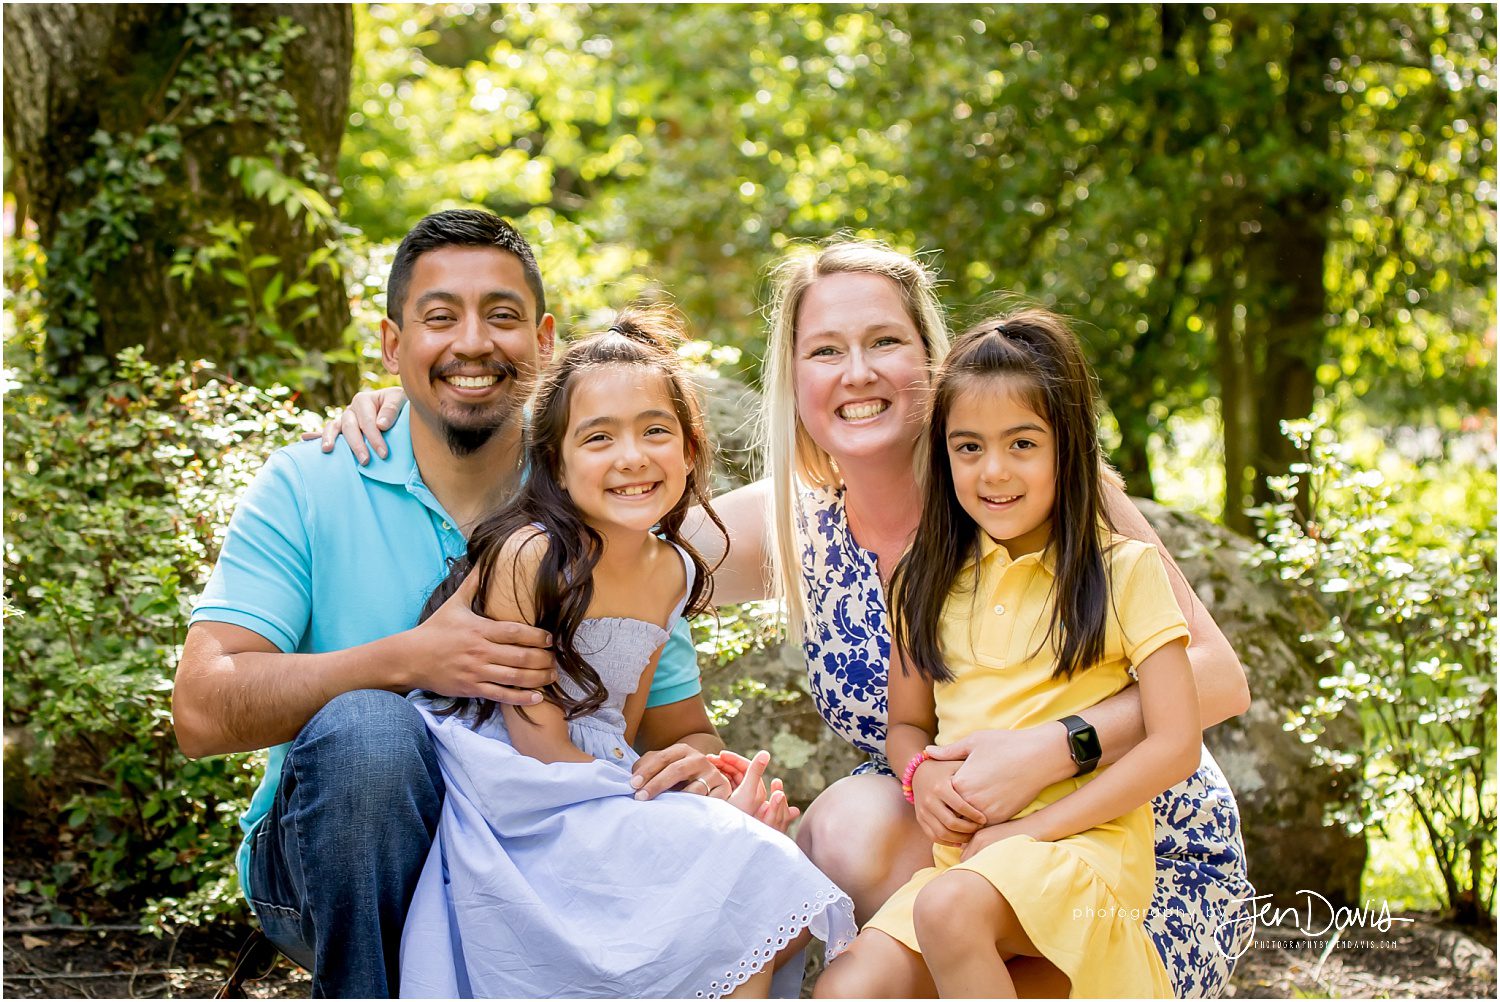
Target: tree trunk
(1236, 399)
(1287, 259)
(122, 121)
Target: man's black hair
(460, 228)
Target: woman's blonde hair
(787, 450)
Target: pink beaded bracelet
(909, 773)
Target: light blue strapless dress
(552, 880)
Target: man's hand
(458, 652)
(751, 794)
(368, 414)
(680, 765)
(1000, 772)
(942, 812)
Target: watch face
(1085, 743)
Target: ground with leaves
(117, 960)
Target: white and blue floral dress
(1200, 859)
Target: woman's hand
(942, 812)
(750, 792)
(1001, 772)
(680, 765)
(368, 414)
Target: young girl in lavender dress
(548, 877)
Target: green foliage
(1147, 169)
(115, 508)
(224, 76)
(264, 302)
(1410, 641)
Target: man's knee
(376, 740)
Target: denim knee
(377, 743)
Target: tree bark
(1237, 404)
(1287, 259)
(72, 70)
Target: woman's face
(860, 368)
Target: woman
(856, 327)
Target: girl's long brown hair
(565, 580)
(1038, 351)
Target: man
(306, 638)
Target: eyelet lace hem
(830, 916)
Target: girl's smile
(1004, 463)
(624, 457)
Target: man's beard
(466, 439)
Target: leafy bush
(115, 510)
(1410, 641)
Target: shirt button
(447, 526)
(619, 752)
(999, 610)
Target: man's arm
(239, 684)
(236, 691)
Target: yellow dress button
(999, 610)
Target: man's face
(469, 344)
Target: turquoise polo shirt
(324, 554)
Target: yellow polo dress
(1082, 899)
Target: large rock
(1282, 793)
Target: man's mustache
(504, 370)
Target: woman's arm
(361, 423)
(1168, 755)
(1003, 771)
(1217, 672)
(745, 573)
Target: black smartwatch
(1083, 744)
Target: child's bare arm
(541, 730)
(912, 722)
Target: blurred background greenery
(1255, 214)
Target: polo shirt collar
(991, 551)
(400, 463)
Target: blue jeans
(333, 866)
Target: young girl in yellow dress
(1015, 606)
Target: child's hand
(995, 834)
(1002, 771)
(751, 794)
(944, 815)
